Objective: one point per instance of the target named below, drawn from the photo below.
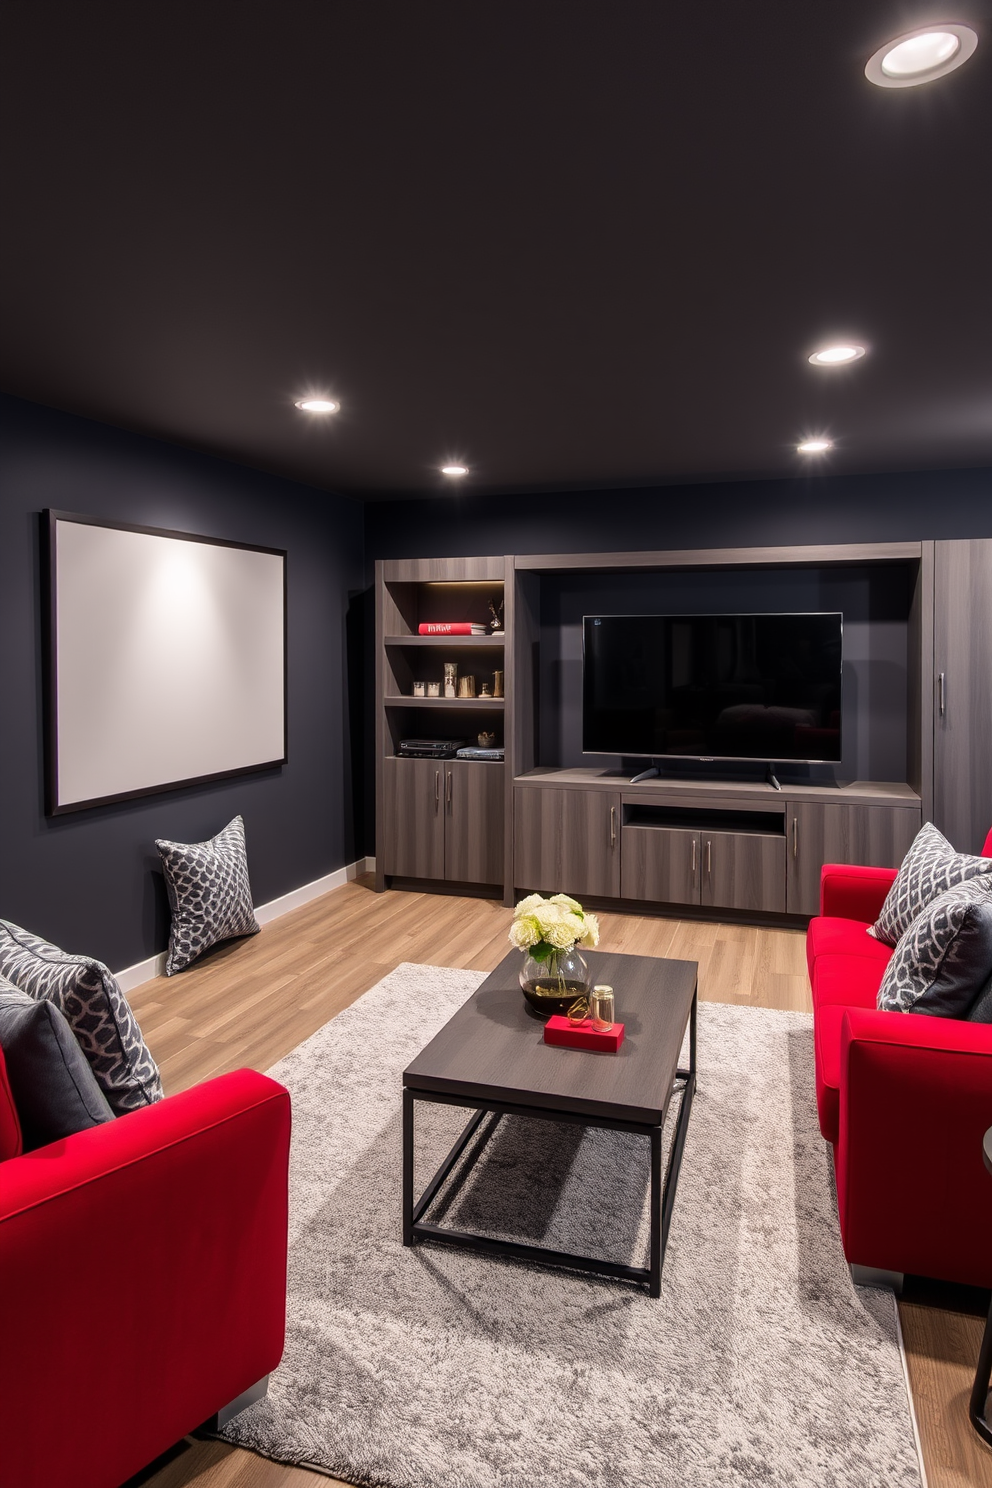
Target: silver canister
(601, 1010)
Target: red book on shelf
(582, 1035)
(450, 627)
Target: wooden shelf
(440, 702)
(444, 640)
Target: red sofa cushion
(11, 1144)
(828, 936)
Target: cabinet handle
(613, 826)
(709, 856)
(693, 869)
(940, 693)
(437, 790)
(447, 788)
(795, 837)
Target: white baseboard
(143, 971)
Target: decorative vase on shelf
(553, 985)
(554, 975)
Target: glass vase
(552, 986)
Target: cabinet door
(566, 841)
(743, 870)
(877, 836)
(962, 779)
(473, 821)
(413, 820)
(660, 863)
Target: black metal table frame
(662, 1193)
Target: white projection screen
(167, 660)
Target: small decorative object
(466, 687)
(486, 739)
(582, 1035)
(433, 689)
(601, 1009)
(450, 678)
(497, 684)
(496, 623)
(554, 974)
(484, 690)
(420, 689)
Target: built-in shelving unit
(549, 819)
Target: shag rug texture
(433, 1367)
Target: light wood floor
(250, 1003)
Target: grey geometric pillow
(930, 867)
(209, 893)
(54, 1088)
(944, 960)
(97, 1011)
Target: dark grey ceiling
(573, 243)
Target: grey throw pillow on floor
(930, 867)
(944, 960)
(209, 893)
(89, 998)
(54, 1089)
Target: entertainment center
(704, 835)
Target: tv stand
(648, 774)
(771, 777)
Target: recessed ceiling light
(930, 52)
(454, 470)
(836, 356)
(814, 446)
(317, 405)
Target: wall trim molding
(153, 966)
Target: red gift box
(558, 1030)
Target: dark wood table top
(493, 1048)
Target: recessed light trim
(317, 405)
(814, 446)
(454, 470)
(837, 356)
(920, 56)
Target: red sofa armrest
(849, 891)
(144, 1269)
(915, 1102)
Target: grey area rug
(436, 1368)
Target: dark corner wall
(823, 509)
(90, 880)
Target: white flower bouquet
(545, 927)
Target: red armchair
(144, 1281)
(904, 1098)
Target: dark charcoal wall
(871, 508)
(89, 880)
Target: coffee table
(491, 1057)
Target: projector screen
(167, 660)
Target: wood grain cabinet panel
(413, 818)
(742, 870)
(962, 777)
(473, 821)
(567, 841)
(876, 836)
(660, 864)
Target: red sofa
(144, 1280)
(905, 1099)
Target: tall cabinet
(441, 821)
(962, 735)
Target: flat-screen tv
(764, 687)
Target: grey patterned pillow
(209, 893)
(930, 867)
(97, 1011)
(944, 960)
(53, 1085)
